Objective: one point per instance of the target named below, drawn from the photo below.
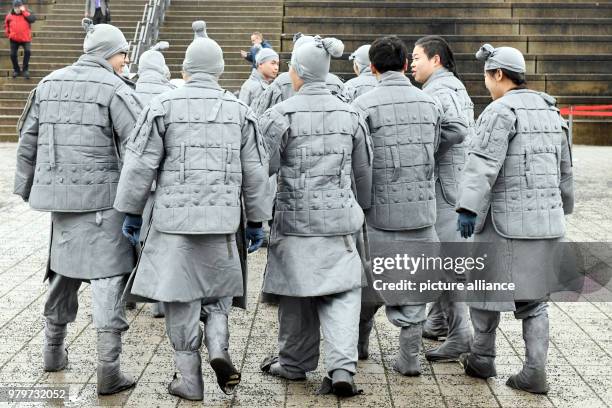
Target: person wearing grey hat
(403, 193)
(71, 139)
(281, 88)
(433, 65)
(203, 147)
(267, 69)
(515, 190)
(317, 144)
(152, 81)
(365, 80)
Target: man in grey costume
(317, 144)
(365, 80)
(281, 88)
(433, 65)
(405, 127)
(516, 187)
(267, 69)
(202, 146)
(153, 79)
(71, 135)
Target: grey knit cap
(361, 57)
(203, 55)
(265, 55)
(503, 57)
(311, 59)
(103, 40)
(153, 59)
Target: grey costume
(152, 81)
(281, 90)
(316, 142)
(405, 126)
(202, 146)
(366, 80)
(457, 129)
(252, 87)
(71, 135)
(355, 87)
(518, 179)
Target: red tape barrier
(592, 111)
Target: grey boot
(55, 354)
(343, 384)
(157, 309)
(110, 378)
(272, 366)
(407, 362)
(436, 324)
(459, 339)
(217, 342)
(532, 378)
(190, 385)
(480, 361)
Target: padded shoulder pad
(139, 138)
(493, 129)
(26, 110)
(130, 100)
(273, 125)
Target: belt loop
(396, 162)
(228, 163)
(51, 145)
(182, 165)
(347, 243)
(228, 240)
(342, 164)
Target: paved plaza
(579, 363)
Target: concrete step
(448, 26)
(446, 9)
(536, 64)
(535, 44)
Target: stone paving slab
(580, 358)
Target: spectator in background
(98, 11)
(17, 26)
(258, 43)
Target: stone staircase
(567, 45)
(230, 23)
(57, 41)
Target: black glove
(131, 228)
(466, 223)
(255, 236)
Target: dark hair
(435, 45)
(516, 77)
(388, 54)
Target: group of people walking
(158, 193)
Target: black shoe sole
(125, 387)
(343, 389)
(227, 375)
(512, 384)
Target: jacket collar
(393, 78)
(314, 88)
(201, 80)
(439, 73)
(154, 77)
(94, 61)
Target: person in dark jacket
(17, 26)
(258, 43)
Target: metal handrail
(147, 30)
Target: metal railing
(147, 30)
